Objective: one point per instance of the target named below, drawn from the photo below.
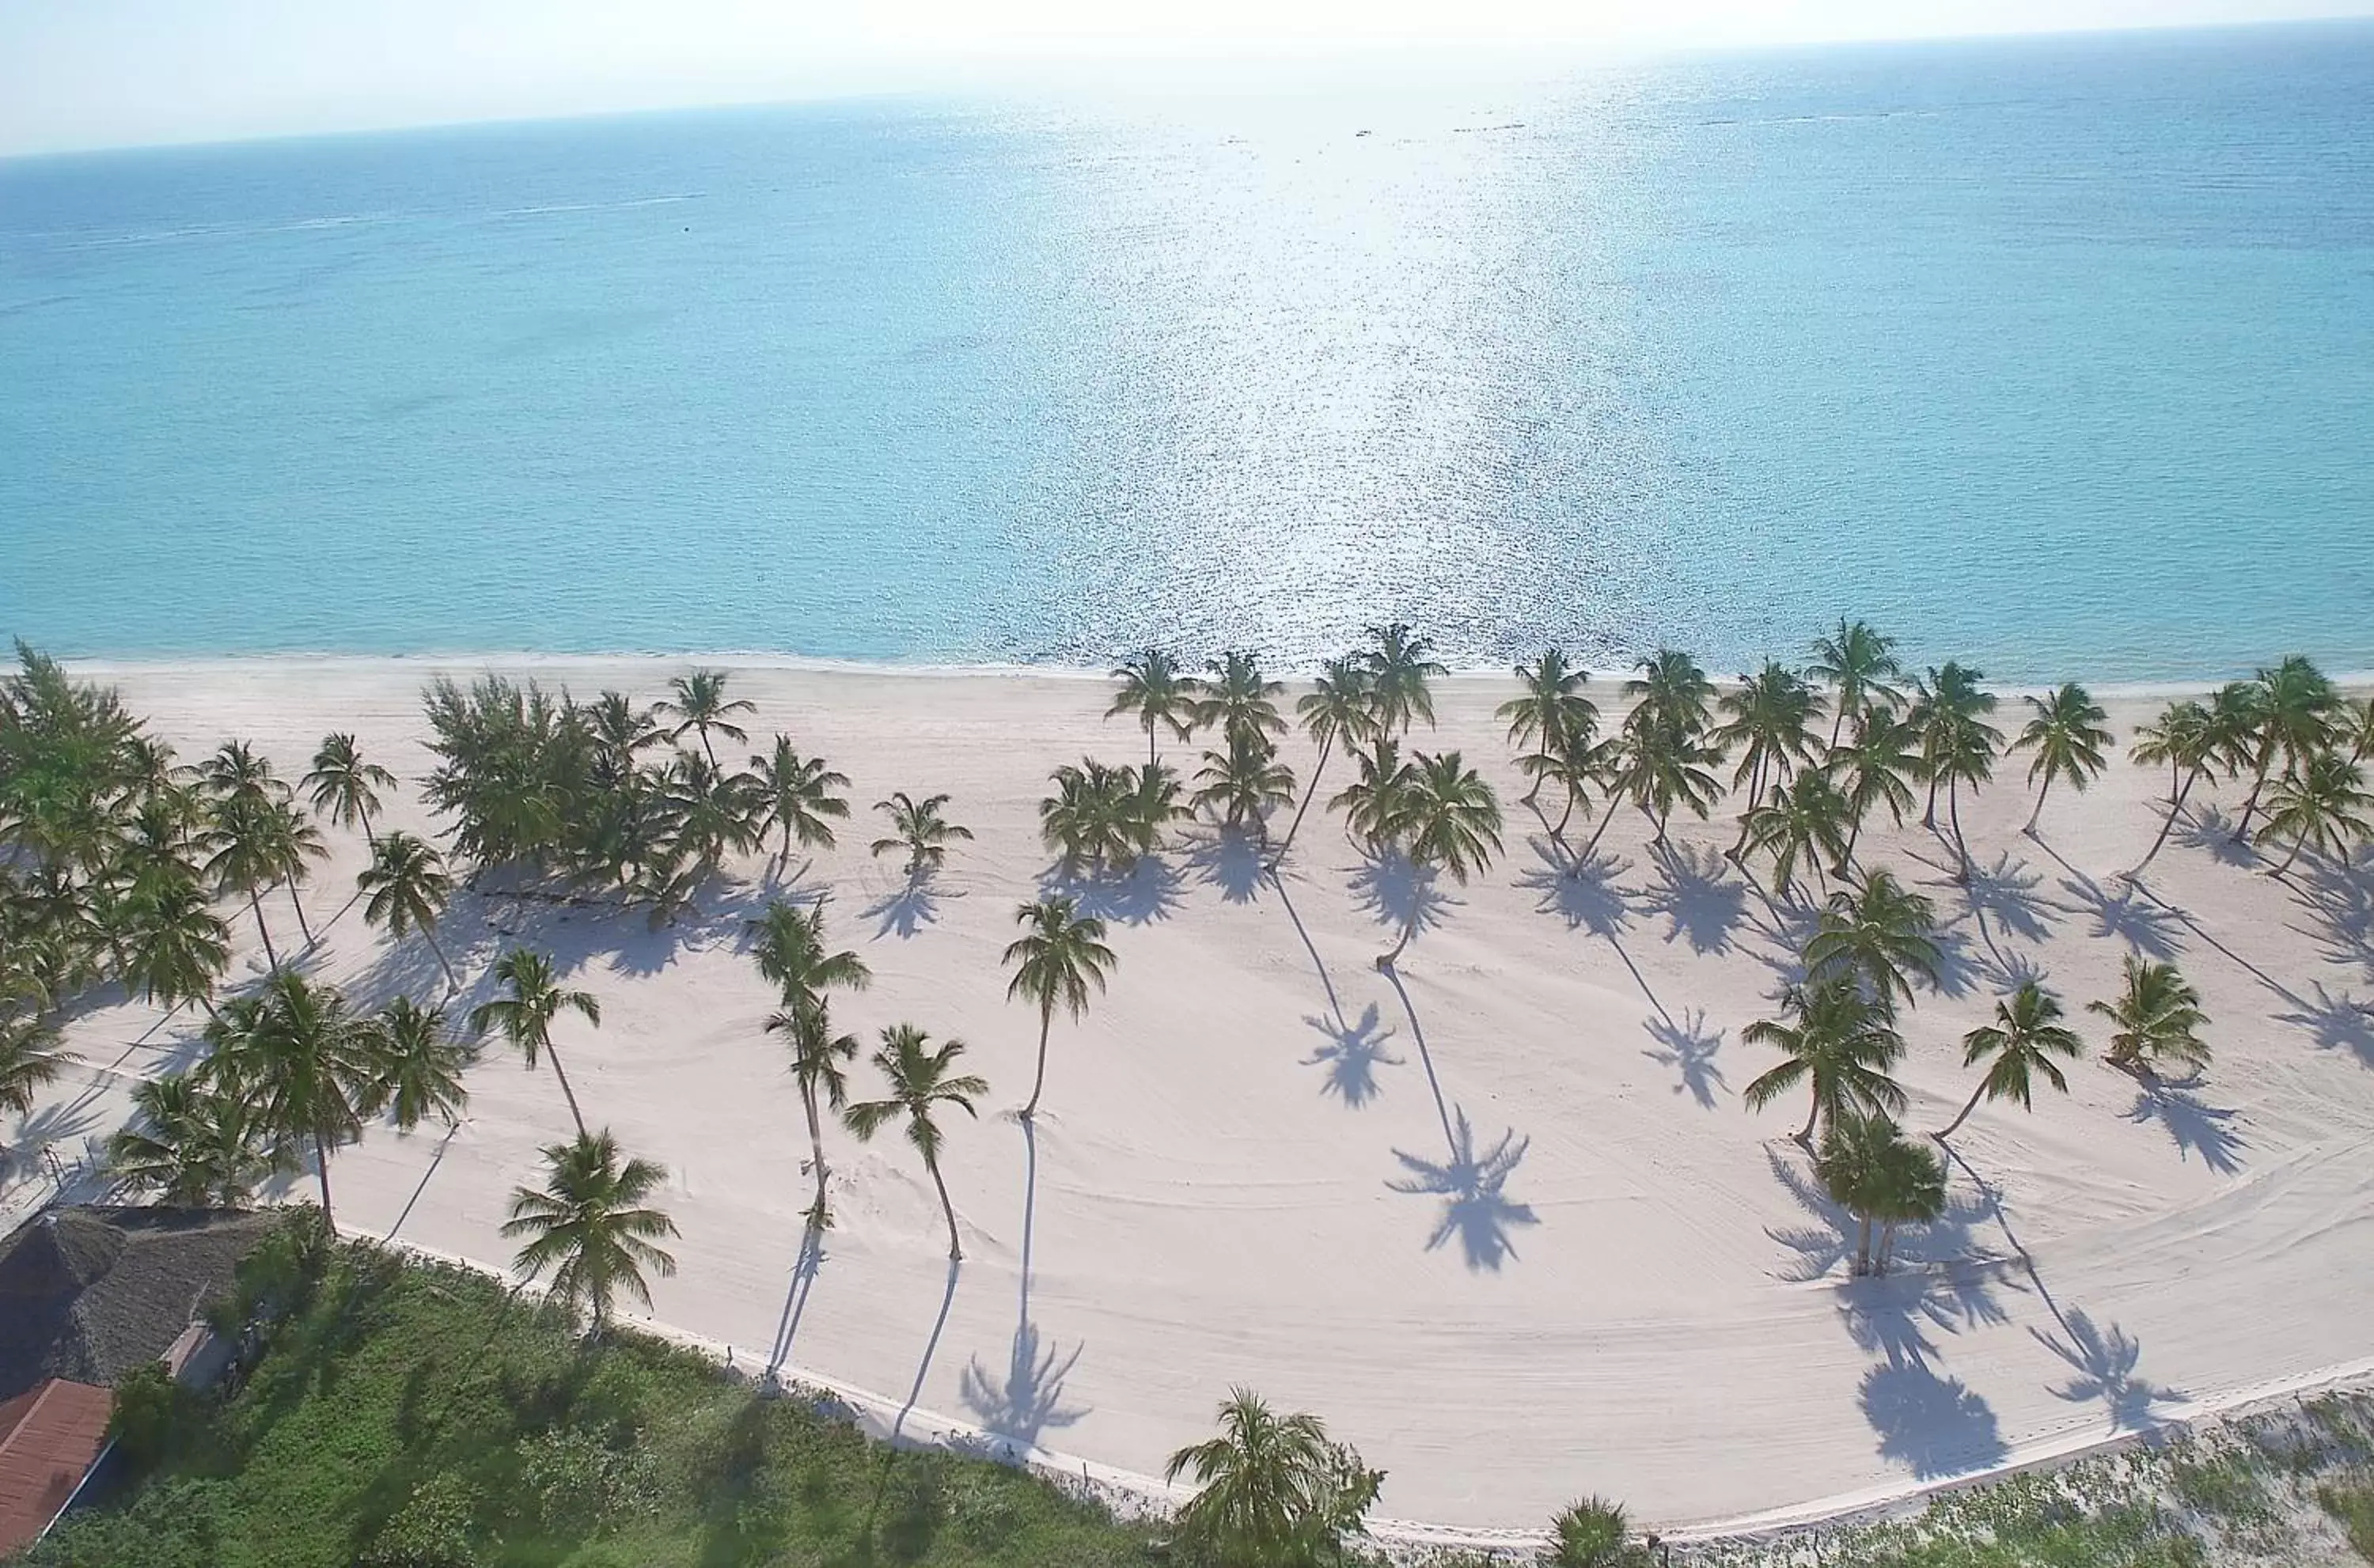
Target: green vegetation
(407, 1414)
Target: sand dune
(1502, 1220)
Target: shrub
(151, 1410)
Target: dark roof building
(50, 1437)
(88, 1294)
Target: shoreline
(1502, 1220)
(108, 668)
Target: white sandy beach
(1506, 1225)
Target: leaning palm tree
(406, 888)
(816, 1056)
(2067, 737)
(1446, 819)
(422, 1072)
(310, 1069)
(191, 1143)
(1161, 696)
(2184, 738)
(919, 1079)
(588, 1229)
(1245, 783)
(1878, 935)
(1338, 707)
(1238, 700)
(1858, 663)
(797, 796)
(1881, 1177)
(343, 785)
(1805, 821)
(1874, 768)
(1398, 669)
(2320, 806)
(917, 828)
(2294, 706)
(1839, 1044)
(1371, 804)
(1060, 956)
(1271, 1490)
(1547, 715)
(176, 947)
(1957, 746)
(244, 856)
(1768, 722)
(2154, 1021)
(699, 703)
(526, 1017)
(2025, 1037)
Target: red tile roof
(49, 1439)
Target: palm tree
(294, 842)
(799, 799)
(1271, 1490)
(344, 787)
(2156, 1019)
(2185, 738)
(28, 1060)
(2067, 736)
(1957, 746)
(1371, 804)
(1148, 805)
(1398, 669)
(406, 888)
(1878, 1175)
(1593, 1533)
(699, 703)
(816, 1056)
(1088, 820)
(1876, 766)
(1548, 716)
(1061, 955)
(1664, 765)
(792, 953)
(191, 1143)
(710, 813)
(2024, 1038)
(1154, 689)
(1770, 718)
(422, 1068)
(1805, 820)
(1857, 663)
(587, 1228)
(2320, 804)
(1875, 935)
(919, 1079)
(1672, 690)
(526, 1017)
(1238, 700)
(309, 1069)
(1339, 707)
(246, 858)
(1581, 763)
(917, 828)
(1841, 1045)
(1246, 783)
(2296, 707)
(2356, 726)
(176, 947)
(1446, 818)
(620, 732)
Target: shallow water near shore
(2055, 355)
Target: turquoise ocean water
(2056, 355)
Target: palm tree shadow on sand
(1476, 1209)
(2103, 1362)
(1700, 905)
(1399, 894)
(909, 907)
(1932, 1425)
(930, 1349)
(804, 1268)
(1016, 1410)
(1351, 1055)
(1148, 891)
(2196, 1127)
(1230, 860)
(1585, 894)
(1689, 1047)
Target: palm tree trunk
(322, 1166)
(567, 1092)
(2047, 790)
(1045, 1020)
(2297, 845)
(299, 904)
(956, 1248)
(370, 839)
(708, 748)
(1954, 814)
(2175, 806)
(1606, 817)
(1387, 960)
(1804, 1135)
(1886, 1246)
(1839, 723)
(1956, 1125)
(820, 1217)
(1862, 1245)
(1319, 767)
(1149, 739)
(1928, 817)
(256, 902)
(2266, 762)
(452, 981)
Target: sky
(78, 74)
